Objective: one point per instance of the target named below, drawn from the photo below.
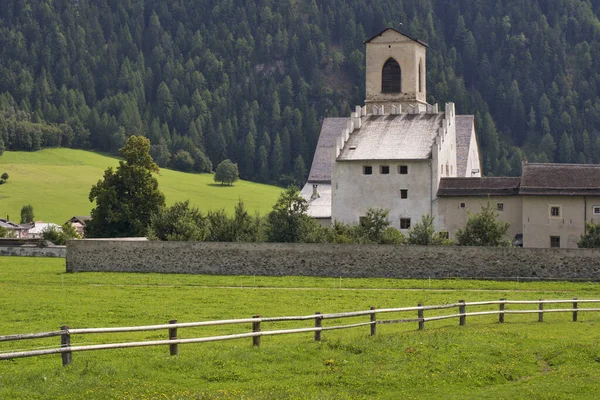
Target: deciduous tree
(227, 172)
(128, 197)
(483, 229)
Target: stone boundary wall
(328, 260)
(30, 251)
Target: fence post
(501, 314)
(575, 308)
(65, 341)
(318, 320)
(461, 310)
(541, 313)
(256, 328)
(420, 315)
(173, 336)
(373, 322)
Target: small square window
(368, 170)
(555, 241)
(554, 211)
(404, 193)
(444, 235)
(404, 223)
(500, 206)
(384, 169)
(362, 220)
(596, 210)
(462, 205)
(403, 169)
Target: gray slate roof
(493, 186)
(322, 164)
(321, 206)
(464, 128)
(393, 137)
(560, 179)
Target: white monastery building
(399, 153)
(392, 152)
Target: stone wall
(31, 251)
(332, 260)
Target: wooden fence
(65, 333)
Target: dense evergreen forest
(208, 80)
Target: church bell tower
(396, 71)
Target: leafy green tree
(591, 238)
(227, 173)
(179, 222)
(27, 215)
(4, 176)
(483, 229)
(128, 197)
(183, 161)
(423, 233)
(289, 222)
(373, 224)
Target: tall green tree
(27, 215)
(128, 197)
(288, 221)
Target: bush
(423, 233)
(59, 236)
(591, 239)
(483, 229)
(178, 222)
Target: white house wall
(353, 192)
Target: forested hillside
(207, 80)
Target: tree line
(211, 80)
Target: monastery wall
(348, 261)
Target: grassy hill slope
(57, 182)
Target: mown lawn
(518, 359)
(57, 183)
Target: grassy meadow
(57, 182)
(521, 358)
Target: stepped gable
(493, 186)
(464, 129)
(560, 179)
(320, 171)
(393, 137)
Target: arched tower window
(391, 77)
(420, 76)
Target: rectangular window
(555, 211)
(384, 169)
(596, 210)
(403, 169)
(500, 206)
(462, 205)
(444, 234)
(404, 223)
(362, 220)
(555, 241)
(404, 193)
(368, 170)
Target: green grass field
(522, 359)
(57, 182)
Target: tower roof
(398, 32)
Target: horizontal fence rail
(66, 333)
